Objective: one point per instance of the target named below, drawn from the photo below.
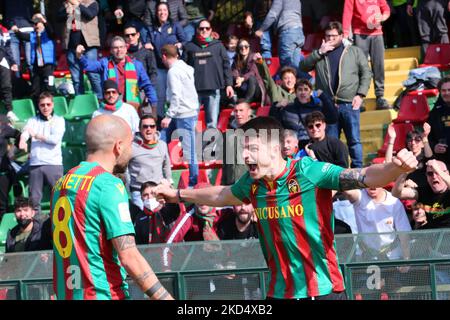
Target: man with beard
(238, 224)
(93, 236)
(29, 234)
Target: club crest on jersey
(254, 188)
(293, 186)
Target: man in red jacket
(364, 17)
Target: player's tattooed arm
(124, 242)
(352, 179)
(158, 292)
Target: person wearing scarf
(113, 104)
(150, 159)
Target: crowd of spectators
(171, 57)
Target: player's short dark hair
(334, 25)
(314, 116)
(148, 184)
(265, 126)
(22, 202)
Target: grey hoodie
(148, 164)
(286, 14)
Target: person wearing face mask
(30, 234)
(155, 221)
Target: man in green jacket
(343, 72)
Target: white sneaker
(12, 116)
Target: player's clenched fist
(164, 193)
(405, 160)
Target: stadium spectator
(18, 13)
(248, 84)
(155, 221)
(113, 104)
(431, 21)
(419, 215)
(129, 73)
(6, 89)
(246, 30)
(439, 121)
(301, 181)
(233, 163)
(7, 172)
(164, 31)
(30, 234)
(150, 159)
(230, 44)
(209, 59)
(198, 10)
(260, 9)
(343, 73)
(323, 147)
(139, 52)
(417, 143)
(280, 95)
(364, 19)
(43, 57)
(290, 145)
(434, 195)
(81, 28)
(176, 8)
(46, 131)
(287, 17)
(238, 223)
(292, 116)
(402, 25)
(183, 108)
(377, 211)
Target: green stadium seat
(75, 132)
(24, 109)
(8, 222)
(72, 156)
(60, 106)
(82, 107)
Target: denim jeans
(348, 119)
(161, 87)
(210, 99)
(266, 42)
(15, 49)
(184, 129)
(76, 73)
(290, 43)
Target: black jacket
(440, 132)
(147, 57)
(211, 65)
(39, 239)
(6, 132)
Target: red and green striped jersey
(295, 224)
(89, 208)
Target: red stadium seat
(413, 109)
(201, 122)
(426, 92)
(224, 118)
(273, 64)
(255, 105)
(176, 155)
(263, 111)
(401, 129)
(437, 55)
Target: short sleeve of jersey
(241, 188)
(114, 209)
(322, 174)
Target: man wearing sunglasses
(150, 159)
(112, 104)
(323, 147)
(434, 195)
